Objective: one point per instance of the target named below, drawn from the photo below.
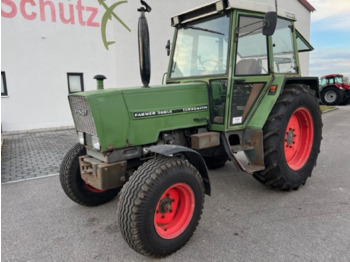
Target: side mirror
(270, 23)
(167, 47)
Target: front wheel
(160, 206)
(75, 187)
(292, 138)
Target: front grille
(82, 116)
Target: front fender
(190, 155)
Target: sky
(330, 36)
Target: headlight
(81, 138)
(95, 142)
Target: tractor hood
(136, 116)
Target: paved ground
(30, 155)
(242, 220)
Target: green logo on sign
(108, 16)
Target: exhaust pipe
(144, 47)
(99, 79)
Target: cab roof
(223, 5)
(331, 75)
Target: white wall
(36, 55)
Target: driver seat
(248, 67)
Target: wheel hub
(290, 136)
(330, 96)
(165, 205)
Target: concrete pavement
(242, 220)
(34, 154)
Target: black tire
(214, 157)
(346, 99)
(332, 96)
(292, 138)
(147, 196)
(74, 186)
(215, 162)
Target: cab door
(251, 68)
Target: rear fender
(312, 82)
(190, 155)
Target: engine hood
(135, 116)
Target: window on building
(75, 82)
(3, 84)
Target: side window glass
(251, 56)
(243, 98)
(218, 91)
(302, 43)
(283, 48)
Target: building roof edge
(307, 5)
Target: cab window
(252, 54)
(283, 48)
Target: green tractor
(233, 93)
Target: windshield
(201, 49)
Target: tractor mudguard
(312, 82)
(191, 155)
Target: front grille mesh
(82, 116)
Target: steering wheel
(210, 64)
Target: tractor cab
(239, 53)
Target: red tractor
(333, 90)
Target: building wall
(40, 44)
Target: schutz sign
(64, 12)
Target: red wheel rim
(92, 189)
(174, 211)
(298, 138)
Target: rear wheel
(75, 187)
(346, 99)
(160, 206)
(215, 157)
(331, 96)
(292, 138)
